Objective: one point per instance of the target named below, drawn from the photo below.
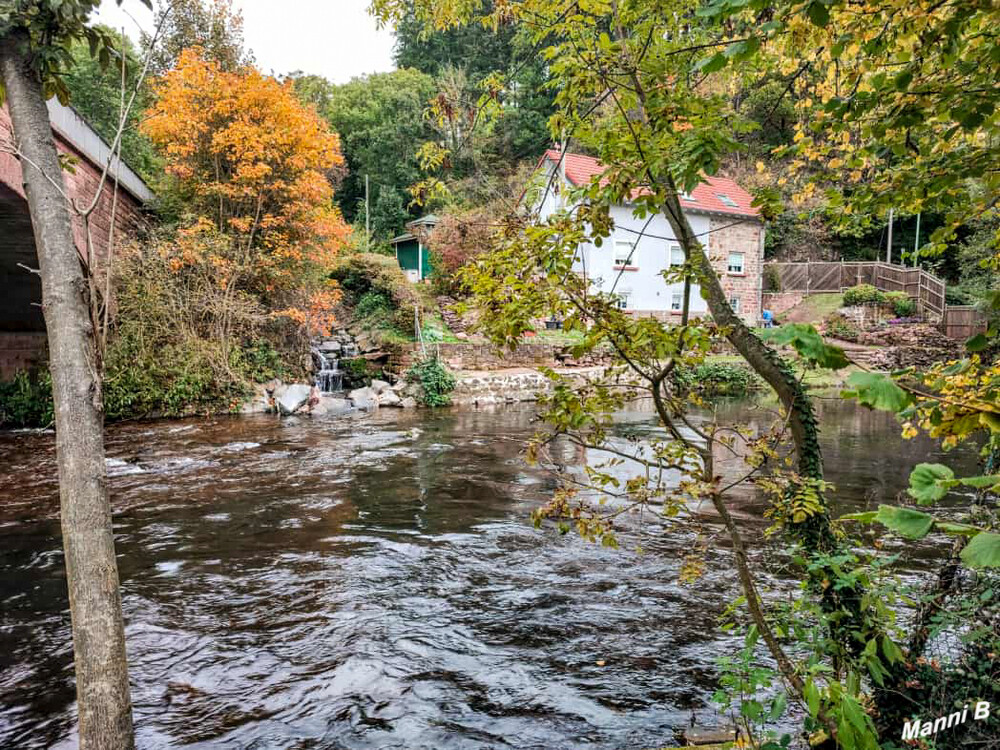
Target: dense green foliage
(717, 379)
(381, 122)
(26, 401)
(436, 382)
(480, 52)
(96, 92)
(863, 294)
(378, 286)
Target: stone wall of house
(729, 234)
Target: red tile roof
(708, 196)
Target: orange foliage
(251, 163)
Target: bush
(772, 279)
(181, 342)
(436, 382)
(717, 379)
(359, 372)
(366, 274)
(863, 294)
(901, 304)
(840, 327)
(26, 401)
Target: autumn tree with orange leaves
(251, 163)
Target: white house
(629, 263)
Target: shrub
(26, 401)
(901, 304)
(436, 382)
(182, 342)
(456, 240)
(863, 294)
(717, 379)
(772, 279)
(358, 372)
(366, 273)
(840, 327)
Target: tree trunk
(104, 706)
(762, 358)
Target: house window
(734, 302)
(676, 301)
(623, 300)
(726, 200)
(676, 255)
(735, 263)
(624, 253)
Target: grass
(813, 308)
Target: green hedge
(863, 294)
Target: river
(375, 582)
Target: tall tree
(381, 121)
(905, 107)
(212, 25)
(95, 91)
(481, 50)
(35, 41)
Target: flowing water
(374, 582)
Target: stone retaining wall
(474, 356)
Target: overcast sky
(333, 38)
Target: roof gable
(718, 195)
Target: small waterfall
(329, 378)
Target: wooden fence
(814, 277)
(962, 321)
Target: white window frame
(734, 302)
(743, 263)
(677, 302)
(628, 260)
(675, 251)
(622, 299)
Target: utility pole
(368, 224)
(888, 244)
(916, 244)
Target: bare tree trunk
(103, 701)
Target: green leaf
(927, 482)
(809, 344)
(812, 697)
(981, 483)
(893, 653)
(982, 551)
(956, 529)
(977, 343)
(877, 391)
(818, 13)
(712, 64)
(866, 517)
(913, 524)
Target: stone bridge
(22, 329)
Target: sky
(336, 39)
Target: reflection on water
(373, 583)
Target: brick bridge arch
(22, 328)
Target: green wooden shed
(412, 254)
